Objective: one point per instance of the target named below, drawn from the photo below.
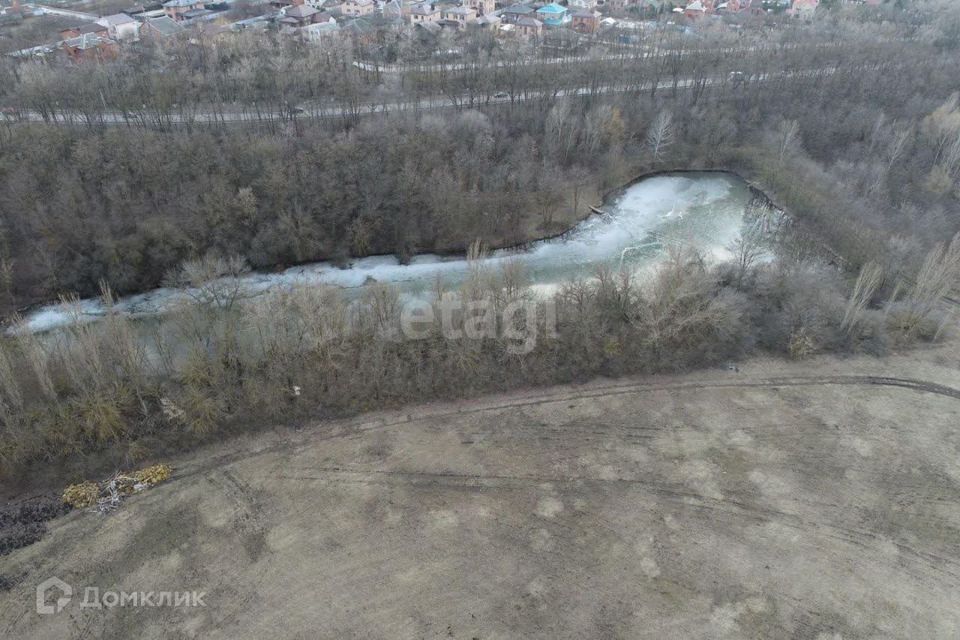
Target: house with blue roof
(553, 15)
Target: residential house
(458, 16)
(529, 27)
(513, 13)
(423, 12)
(324, 27)
(355, 8)
(90, 47)
(197, 15)
(90, 28)
(482, 7)
(581, 5)
(160, 28)
(143, 16)
(553, 15)
(585, 21)
(176, 9)
(121, 27)
(298, 16)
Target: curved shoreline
(590, 210)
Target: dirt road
(813, 500)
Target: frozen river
(706, 210)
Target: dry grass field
(787, 500)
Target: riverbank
(120, 388)
(640, 218)
(103, 395)
(563, 220)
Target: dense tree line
(865, 150)
(80, 207)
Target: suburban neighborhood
(92, 38)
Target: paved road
(647, 52)
(250, 115)
(67, 13)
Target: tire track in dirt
(357, 426)
(731, 506)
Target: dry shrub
(59, 436)
(153, 475)
(199, 371)
(801, 344)
(205, 412)
(82, 495)
(100, 415)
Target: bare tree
(897, 146)
(942, 126)
(747, 249)
(788, 133)
(211, 281)
(871, 275)
(660, 135)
